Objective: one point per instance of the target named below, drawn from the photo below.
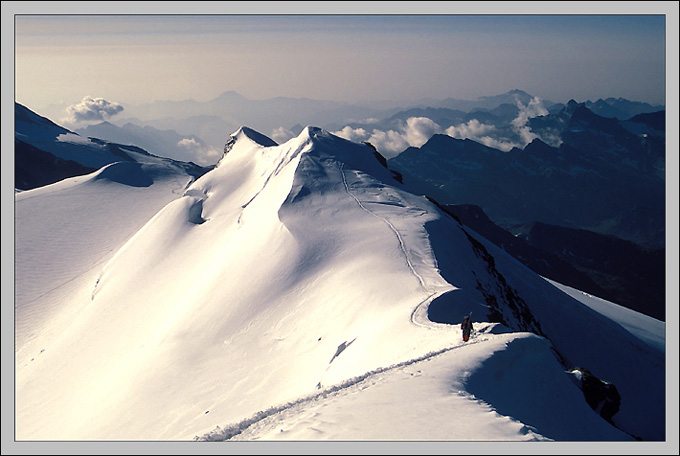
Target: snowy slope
(478, 391)
(289, 270)
(644, 327)
(68, 230)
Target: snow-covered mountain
(46, 153)
(299, 291)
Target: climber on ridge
(466, 326)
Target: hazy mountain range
(600, 174)
(383, 123)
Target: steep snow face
(648, 329)
(286, 270)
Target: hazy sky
(141, 58)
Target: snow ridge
(230, 431)
(394, 230)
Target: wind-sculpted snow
(126, 173)
(286, 271)
(543, 406)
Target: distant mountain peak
(106, 123)
(514, 94)
(538, 145)
(229, 95)
(573, 107)
(573, 104)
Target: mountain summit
(291, 273)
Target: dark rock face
(601, 396)
(604, 266)
(502, 302)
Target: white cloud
(200, 153)
(496, 143)
(526, 134)
(281, 135)
(188, 143)
(553, 140)
(535, 108)
(92, 110)
(415, 132)
(389, 143)
(207, 156)
(353, 134)
(419, 130)
(471, 130)
(480, 132)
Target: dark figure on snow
(466, 326)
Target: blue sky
(141, 58)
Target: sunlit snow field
(284, 295)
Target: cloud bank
(491, 137)
(415, 132)
(480, 132)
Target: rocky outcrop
(601, 395)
